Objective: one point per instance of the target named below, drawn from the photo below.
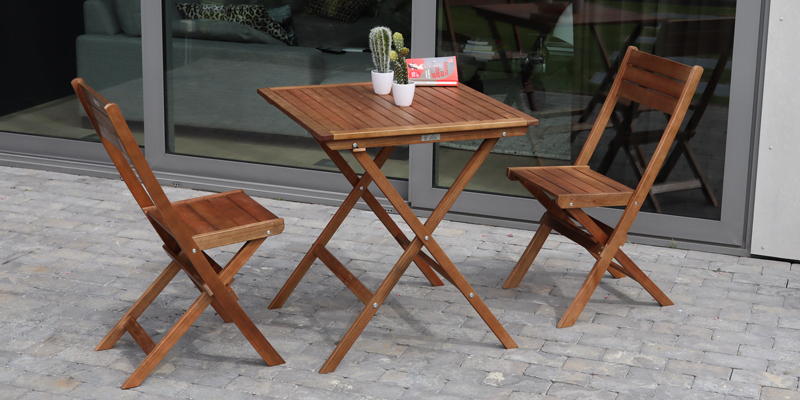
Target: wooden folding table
(351, 117)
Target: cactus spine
(380, 43)
(399, 58)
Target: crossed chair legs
(602, 242)
(224, 303)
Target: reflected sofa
(213, 68)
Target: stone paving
(75, 252)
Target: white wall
(776, 218)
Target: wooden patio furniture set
(351, 118)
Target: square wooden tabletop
(340, 115)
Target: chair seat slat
(211, 214)
(250, 206)
(579, 178)
(232, 210)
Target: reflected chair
(565, 191)
(679, 38)
(187, 228)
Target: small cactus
(380, 42)
(399, 59)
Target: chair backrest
(121, 146)
(655, 82)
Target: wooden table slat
(332, 109)
(386, 102)
(318, 114)
(354, 107)
(383, 109)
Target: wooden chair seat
(574, 186)
(222, 219)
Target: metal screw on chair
(360, 188)
(636, 203)
(269, 233)
(504, 134)
(471, 295)
(194, 250)
(374, 305)
(355, 146)
(570, 204)
(426, 238)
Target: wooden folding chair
(564, 191)
(187, 228)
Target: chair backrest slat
(661, 66)
(646, 96)
(659, 83)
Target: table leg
(319, 245)
(318, 249)
(423, 237)
(423, 262)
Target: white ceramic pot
(382, 81)
(403, 94)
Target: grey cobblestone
(733, 332)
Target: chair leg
(524, 263)
(585, 292)
(138, 308)
(637, 274)
(165, 344)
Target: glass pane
(49, 46)
(216, 60)
(556, 60)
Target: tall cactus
(380, 43)
(399, 59)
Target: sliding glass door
(555, 60)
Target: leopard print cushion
(252, 15)
(343, 10)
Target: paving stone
(558, 375)
(629, 385)
(727, 360)
(660, 377)
(769, 393)
(635, 359)
(727, 387)
(669, 392)
(596, 367)
(565, 390)
(764, 379)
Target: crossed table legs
(423, 236)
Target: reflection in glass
(555, 60)
(52, 45)
(218, 56)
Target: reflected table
(543, 17)
(350, 117)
